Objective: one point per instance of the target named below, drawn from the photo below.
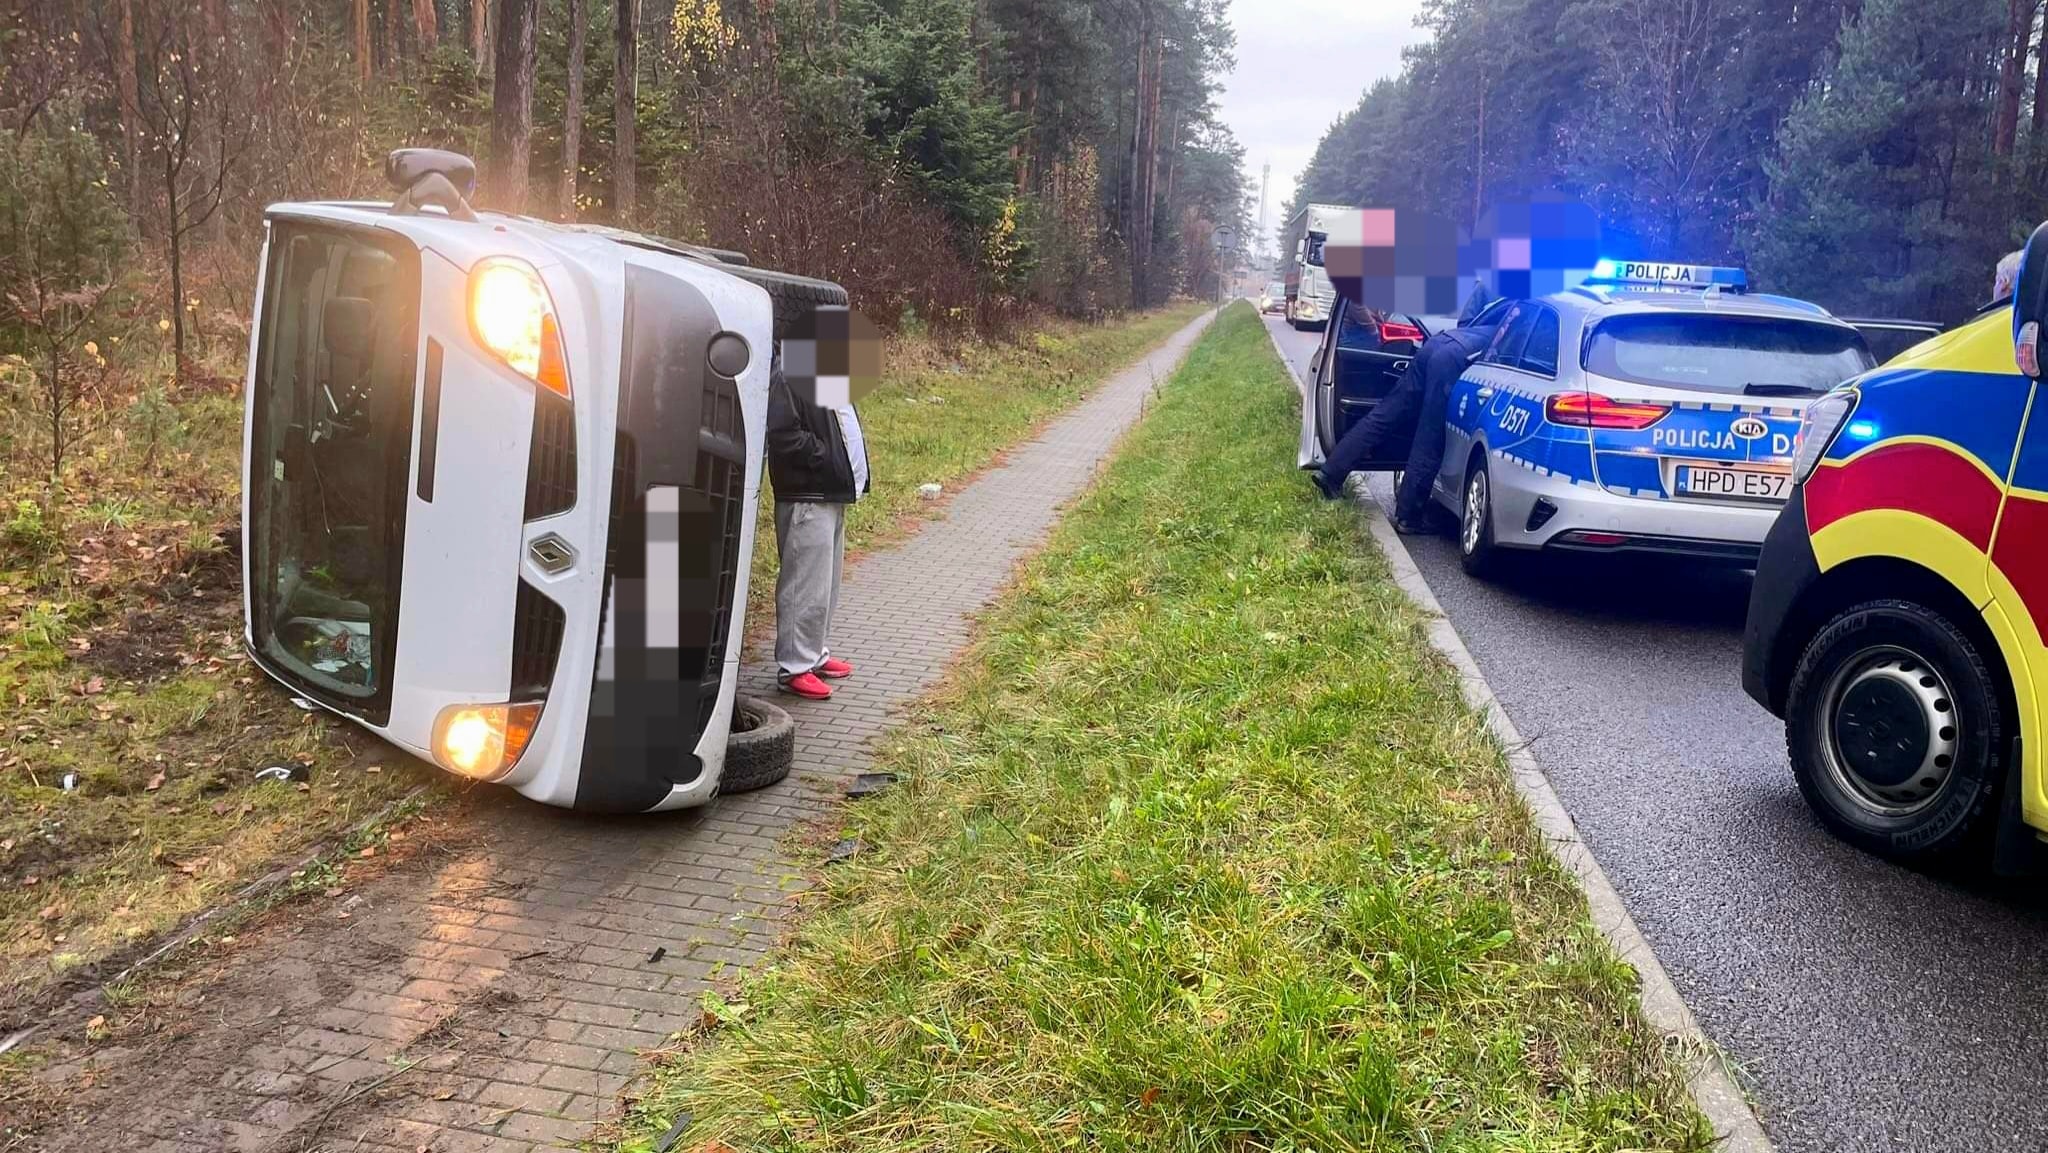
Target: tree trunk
(1141, 192)
(392, 53)
(626, 87)
(480, 34)
(1479, 159)
(362, 41)
(174, 230)
(2041, 85)
(572, 108)
(426, 24)
(131, 106)
(2019, 22)
(512, 104)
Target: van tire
(760, 747)
(794, 296)
(1958, 813)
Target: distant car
(1889, 339)
(1654, 409)
(1274, 298)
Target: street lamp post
(1226, 249)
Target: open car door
(1889, 338)
(1351, 372)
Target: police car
(1652, 410)
(1897, 618)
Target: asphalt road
(1868, 1007)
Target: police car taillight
(1591, 410)
(1818, 427)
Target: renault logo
(1750, 428)
(551, 553)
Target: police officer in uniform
(1418, 401)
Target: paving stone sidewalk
(498, 999)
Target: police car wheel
(1476, 550)
(1896, 727)
(760, 748)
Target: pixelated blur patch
(1524, 248)
(833, 355)
(1394, 260)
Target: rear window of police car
(1734, 354)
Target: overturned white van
(500, 478)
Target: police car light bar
(1662, 275)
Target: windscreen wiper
(1756, 388)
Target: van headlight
(1818, 428)
(512, 316)
(484, 741)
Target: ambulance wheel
(760, 747)
(1476, 550)
(1897, 729)
(794, 296)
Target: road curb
(1718, 1096)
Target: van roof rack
(431, 177)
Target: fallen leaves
(156, 781)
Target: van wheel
(794, 296)
(760, 748)
(1476, 550)
(1896, 727)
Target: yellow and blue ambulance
(1897, 616)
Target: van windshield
(1763, 355)
(330, 443)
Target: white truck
(1310, 296)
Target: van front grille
(551, 457)
(722, 479)
(536, 643)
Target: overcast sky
(1300, 65)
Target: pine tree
(1872, 197)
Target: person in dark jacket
(1418, 402)
(818, 464)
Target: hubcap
(1475, 514)
(1891, 734)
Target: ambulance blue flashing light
(1621, 273)
(1863, 429)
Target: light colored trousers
(811, 539)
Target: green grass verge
(942, 415)
(1201, 849)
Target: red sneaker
(807, 685)
(834, 668)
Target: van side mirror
(2030, 304)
